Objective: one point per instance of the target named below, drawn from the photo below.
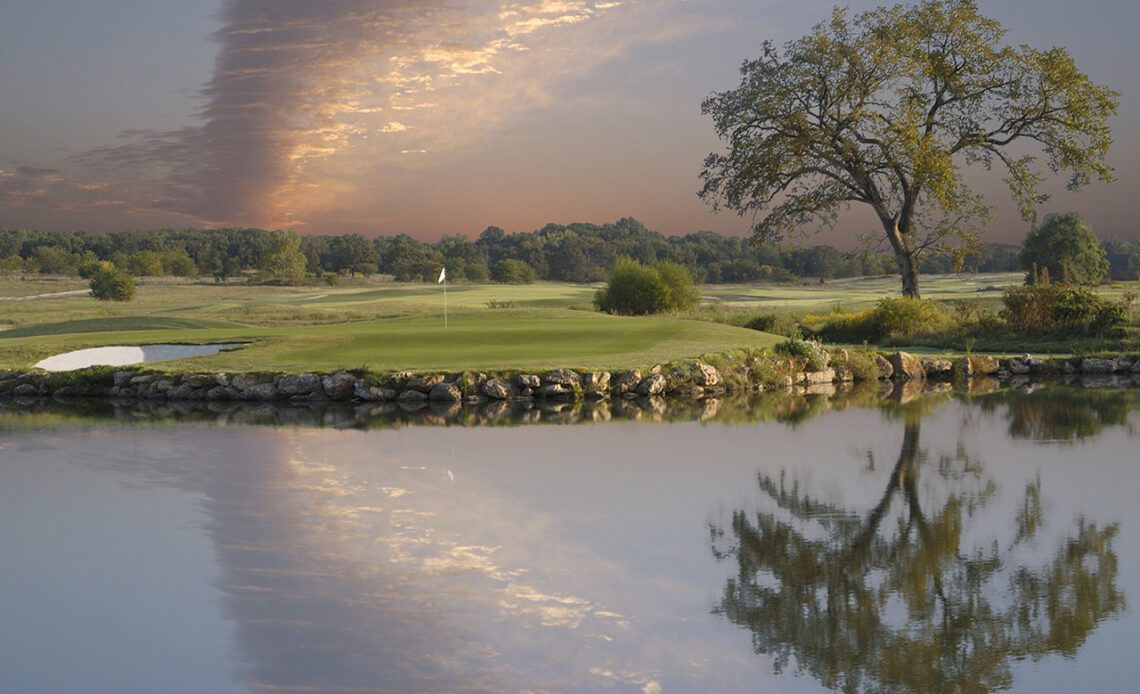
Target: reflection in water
(910, 602)
(567, 559)
(1063, 414)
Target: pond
(984, 542)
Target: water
(981, 543)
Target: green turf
(121, 324)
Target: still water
(951, 544)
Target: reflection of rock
(906, 391)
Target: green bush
(893, 319)
(510, 271)
(634, 289)
(810, 352)
(108, 283)
(1043, 309)
(775, 323)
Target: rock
(818, 377)
(936, 367)
(906, 367)
(261, 391)
(299, 384)
(526, 392)
(627, 382)
(197, 380)
(886, 371)
(25, 389)
(562, 377)
(410, 395)
(494, 388)
(123, 378)
(706, 375)
(182, 392)
(654, 384)
(1136, 366)
(981, 365)
(445, 392)
(844, 374)
(222, 379)
(1068, 368)
(339, 386)
(529, 381)
(1097, 366)
(162, 386)
(424, 384)
(221, 393)
(1019, 367)
(244, 381)
(1123, 364)
(372, 393)
(553, 390)
(596, 383)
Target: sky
(435, 117)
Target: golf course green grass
(384, 327)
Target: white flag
(442, 275)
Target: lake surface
(953, 543)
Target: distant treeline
(571, 253)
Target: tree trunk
(909, 273)
(904, 256)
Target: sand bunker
(124, 356)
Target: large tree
(885, 110)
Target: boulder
(1068, 368)
(445, 392)
(243, 381)
(906, 367)
(653, 384)
(411, 396)
(553, 390)
(1097, 366)
(339, 386)
(562, 377)
(261, 391)
(424, 384)
(627, 382)
(1123, 364)
(936, 367)
(705, 375)
(983, 365)
(596, 382)
(529, 381)
(496, 389)
(819, 377)
(372, 393)
(298, 384)
(123, 378)
(886, 371)
(181, 392)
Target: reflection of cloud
(298, 86)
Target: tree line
(571, 253)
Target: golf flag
(442, 275)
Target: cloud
(298, 87)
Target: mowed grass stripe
(487, 340)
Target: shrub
(893, 319)
(810, 352)
(634, 289)
(510, 271)
(1041, 309)
(775, 323)
(108, 283)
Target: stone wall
(692, 379)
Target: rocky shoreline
(694, 379)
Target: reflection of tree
(1063, 414)
(864, 604)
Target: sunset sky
(432, 117)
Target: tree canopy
(1065, 246)
(885, 110)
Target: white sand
(124, 356)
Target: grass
(386, 326)
(376, 326)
